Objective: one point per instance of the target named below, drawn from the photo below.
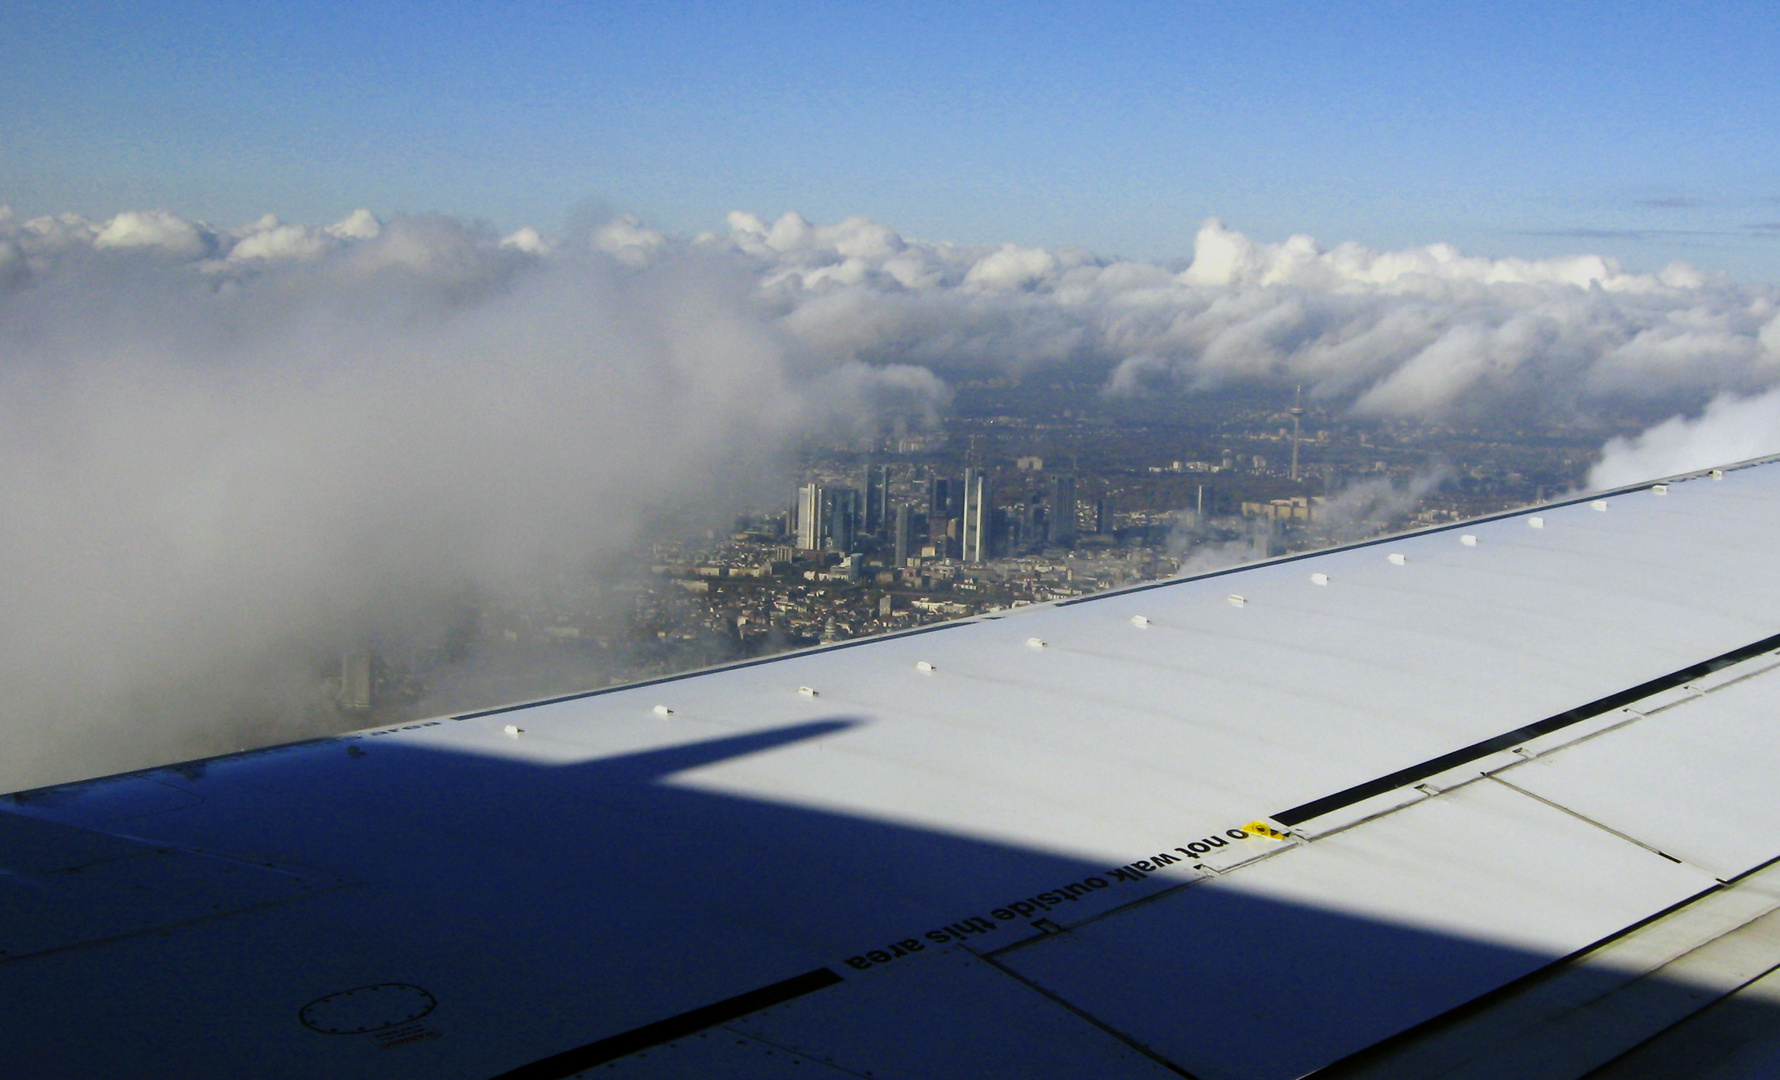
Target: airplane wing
(1484, 800)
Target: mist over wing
(226, 458)
(1730, 429)
(229, 454)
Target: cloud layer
(1426, 333)
(226, 452)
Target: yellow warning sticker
(1261, 828)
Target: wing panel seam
(613, 1047)
(1508, 740)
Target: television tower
(1297, 416)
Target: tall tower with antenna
(1297, 416)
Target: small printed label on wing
(1054, 909)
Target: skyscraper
(939, 510)
(355, 680)
(810, 507)
(939, 498)
(905, 515)
(1060, 527)
(877, 499)
(1297, 415)
(978, 506)
(871, 520)
(843, 519)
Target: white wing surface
(1493, 799)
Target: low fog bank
(1359, 511)
(227, 455)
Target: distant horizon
(1517, 131)
(576, 225)
(571, 223)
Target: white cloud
(361, 224)
(528, 240)
(628, 240)
(156, 229)
(1220, 257)
(269, 239)
(1012, 267)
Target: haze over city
(494, 350)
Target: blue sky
(1644, 132)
